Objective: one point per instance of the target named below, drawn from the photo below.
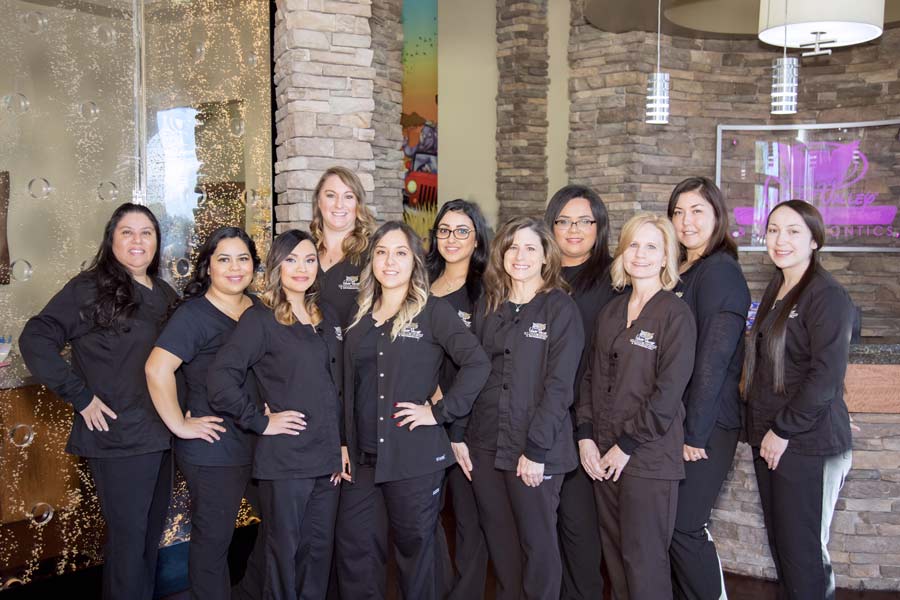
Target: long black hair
(775, 334)
(709, 191)
(200, 281)
(117, 298)
(435, 263)
(599, 260)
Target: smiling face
(454, 250)
(337, 202)
(134, 243)
(392, 260)
(524, 258)
(576, 241)
(645, 255)
(299, 268)
(789, 240)
(695, 220)
(230, 267)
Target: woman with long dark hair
(714, 287)
(111, 314)
(517, 444)
(214, 454)
(340, 227)
(630, 414)
(292, 345)
(580, 225)
(394, 351)
(797, 421)
(456, 259)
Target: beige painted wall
(467, 106)
(558, 17)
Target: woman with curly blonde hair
(395, 456)
(340, 227)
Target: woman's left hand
(613, 463)
(532, 473)
(771, 449)
(414, 415)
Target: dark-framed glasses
(460, 233)
(582, 223)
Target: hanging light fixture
(820, 24)
(658, 85)
(785, 78)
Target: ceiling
(693, 18)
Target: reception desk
(865, 532)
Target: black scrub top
(107, 363)
(297, 367)
(716, 291)
(338, 287)
(366, 389)
(195, 334)
(460, 302)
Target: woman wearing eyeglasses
(580, 226)
(457, 257)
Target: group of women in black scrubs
(576, 405)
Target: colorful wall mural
(420, 113)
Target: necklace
(518, 307)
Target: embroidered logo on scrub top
(339, 334)
(537, 331)
(411, 331)
(679, 294)
(351, 282)
(793, 314)
(645, 340)
(466, 318)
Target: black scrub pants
(470, 555)
(409, 507)
(637, 518)
(519, 524)
(798, 500)
(134, 493)
(696, 570)
(216, 494)
(579, 538)
(250, 587)
(299, 532)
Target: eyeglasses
(567, 223)
(460, 233)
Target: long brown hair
(355, 243)
(417, 292)
(274, 296)
(497, 282)
(775, 334)
(709, 191)
(599, 260)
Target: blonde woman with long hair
(340, 227)
(517, 445)
(630, 413)
(292, 346)
(393, 354)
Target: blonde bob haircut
(498, 283)
(355, 243)
(669, 273)
(273, 295)
(416, 293)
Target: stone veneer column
(326, 102)
(522, 128)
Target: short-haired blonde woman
(396, 457)
(340, 227)
(293, 348)
(517, 446)
(630, 411)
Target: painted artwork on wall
(420, 112)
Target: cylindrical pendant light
(658, 84)
(833, 23)
(785, 79)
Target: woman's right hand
(461, 452)
(287, 422)
(590, 458)
(200, 428)
(345, 468)
(93, 414)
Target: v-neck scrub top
(297, 367)
(195, 333)
(631, 394)
(107, 363)
(338, 287)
